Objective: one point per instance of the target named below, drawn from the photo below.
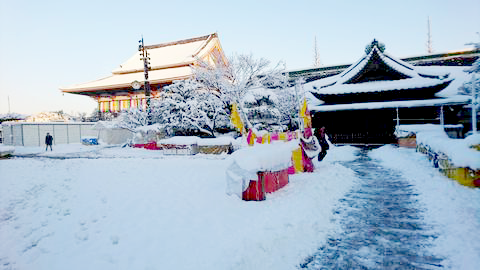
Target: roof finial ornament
(380, 46)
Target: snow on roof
(125, 80)
(381, 86)
(459, 99)
(420, 77)
(339, 84)
(168, 61)
(456, 73)
(164, 55)
(398, 65)
(448, 96)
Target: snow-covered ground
(123, 208)
(452, 209)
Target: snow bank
(246, 162)
(457, 150)
(181, 140)
(473, 139)
(451, 208)
(6, 150)
(341, 153)
(123, 210)
(266, 157)
(407, 130)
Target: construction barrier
(408, 142)
(274, 181)
(266, 182)
(215, 149)
(255, 191)
(464, 176)
(178, 149)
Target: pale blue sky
(52, 43)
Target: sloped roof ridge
(398, 61)
(353, 66)
(183, 41)
(397, 65)
(210, 37)
(356, 67)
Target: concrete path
(381, 225)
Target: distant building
(168, 62)
(363, 103)
(456, 58)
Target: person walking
(48, 141)
(320, 134)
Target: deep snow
(141, 210)
(123, 208)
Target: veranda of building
(169, 62)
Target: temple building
(168, 62)
(364, 103)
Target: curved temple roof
(168, 61)
(378, 76)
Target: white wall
(33, 134)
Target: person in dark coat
(320, 134)
(48, 141)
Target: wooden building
(168, 62)
(364, 103)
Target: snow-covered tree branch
(243, 73)
(185, 107)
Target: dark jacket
(321, 139)
(48, 140)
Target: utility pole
(8, 97)
(145, 58)
(474, 104)
(429, 38)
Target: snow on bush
(260, 105)
(184, 107)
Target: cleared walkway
(381, 225)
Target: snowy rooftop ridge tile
(381, 86)
(458, 99)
